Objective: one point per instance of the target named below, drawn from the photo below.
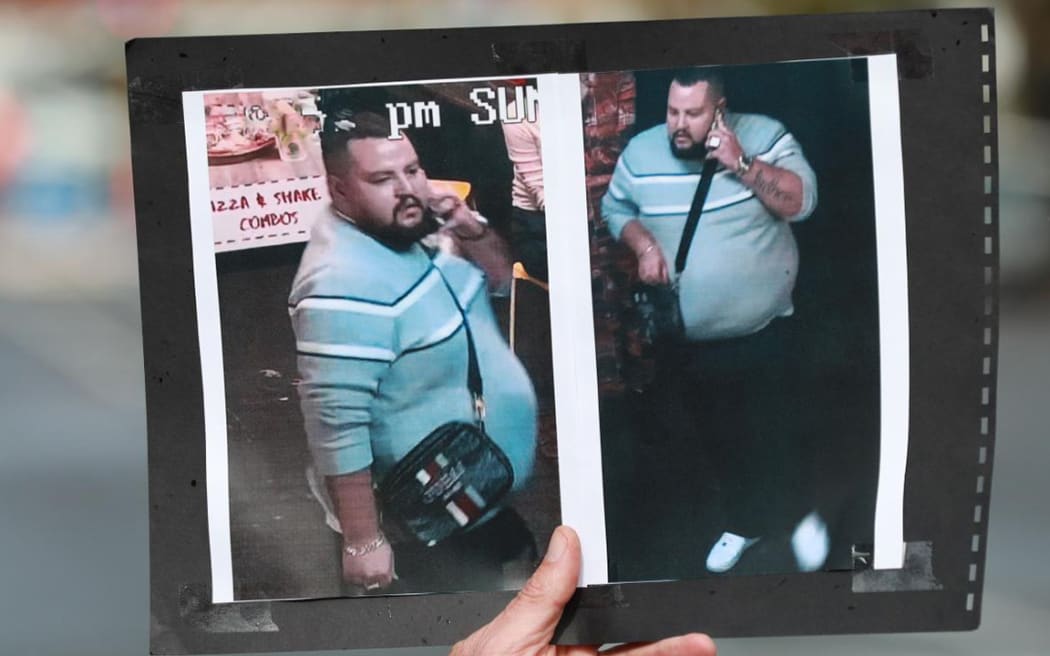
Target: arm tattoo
(768, 187)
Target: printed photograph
(381, 281)
(735, 290)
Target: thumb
(529, 620)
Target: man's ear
(336, 189)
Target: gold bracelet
(358, 550)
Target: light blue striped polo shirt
(743, 261)
(383, 353)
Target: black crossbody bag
(659, 307)
(452, 479)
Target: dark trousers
(528, 230)
(733, 405)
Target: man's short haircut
(341, 126)
(687, 77)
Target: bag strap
(695, 210)
(474, 382)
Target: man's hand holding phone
(466, 234)
(455, 218)
(722, 143)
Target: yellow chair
(459, 188)
(519, 273)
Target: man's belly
(737, 278)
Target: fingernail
(557, 546)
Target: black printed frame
(948, 121)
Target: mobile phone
(718, 122)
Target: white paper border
(209, 332)
(572, 322)
(894, 351)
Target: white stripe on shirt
(368, 307)
(439, 335)
(615, 191)
(452, 325)
(682, 178)
(662, 210)
(467, 297)
(346, 351)
(774, 153)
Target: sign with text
(267, 213)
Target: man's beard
(695, 151)
(402, 237)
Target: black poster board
(948, 131)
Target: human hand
(472, 239)
(526, 626)
(371, 571)
(728, 150)
(458, 219)
(652, 267)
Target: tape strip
(916, 575)
(914, 56)
(535, 57)
(197, 612)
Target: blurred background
(73, 507)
